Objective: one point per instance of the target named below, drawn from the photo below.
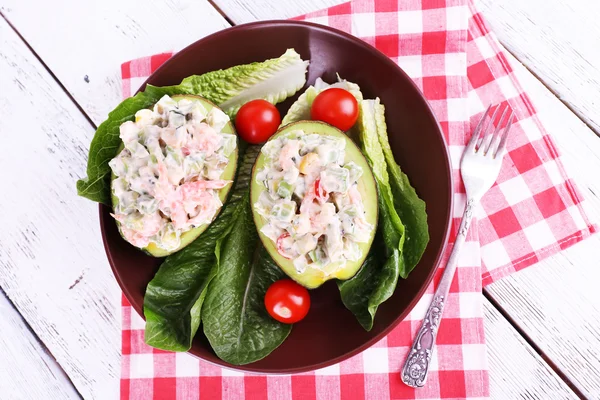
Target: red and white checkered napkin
(533, 211)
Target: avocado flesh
(314, 277)
(189, 236)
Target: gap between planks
(551, 364)
(568, 30)
(38, 261)
(43, 346)
(507, 48)
(59, 83)
(218, 9)
(40, 362)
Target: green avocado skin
(229, 173)
(312, 278)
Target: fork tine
(496, 135)
(501, 150)
(475, 136)
(487, 136)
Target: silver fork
(479, 167)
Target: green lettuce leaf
(374, 283)
(300, 109)
(410, 208)
(174, 297)
(377, 279)
(389, 220)
(403, 232)
(104, 146)
(273, 80)
(353, 88)
(234, 318)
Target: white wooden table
(59, 77)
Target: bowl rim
(247, 368)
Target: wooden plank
(52, 262)
(70, 146)
(555, 302)
(27, 370)
(558, 41)
(242, 11)
(84, 43)
(516, 370)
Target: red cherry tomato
(337, 107)
(287, 301)
(257, 121)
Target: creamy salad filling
(169, 172)
(313, 211)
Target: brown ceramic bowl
(330, 333)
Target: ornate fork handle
(416, 367)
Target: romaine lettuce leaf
(300, 110)
(408, 205)
(376, 280)
(402, 222)
(273, 80)
(105, 143)
(174, 297)
(389, 220)
(353, 88)
(374, 283)
(234, 318)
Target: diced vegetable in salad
(168, 173)
(313, 210)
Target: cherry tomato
(257, 121)
(287, 301)
(337, 107)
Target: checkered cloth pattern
(533, 211)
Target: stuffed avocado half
(314, 202)
(172, 173)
